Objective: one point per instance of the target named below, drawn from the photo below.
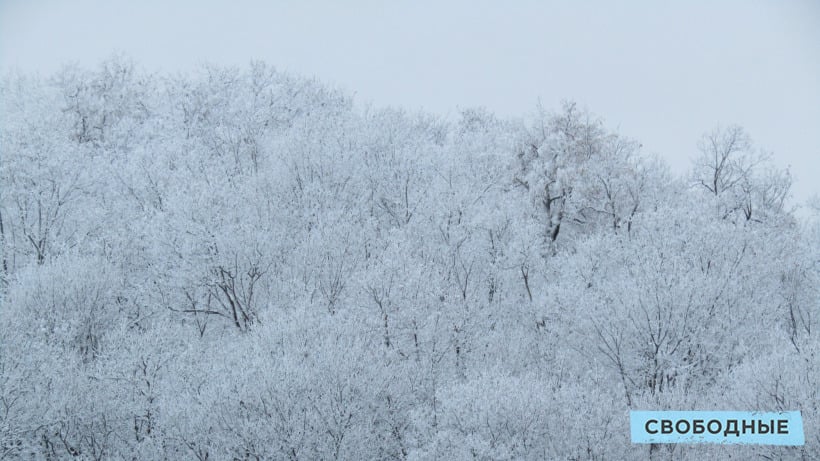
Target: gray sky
(659, 71)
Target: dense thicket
(243, 264)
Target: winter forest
(243, 264)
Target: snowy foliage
(244, 264)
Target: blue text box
(750, 427)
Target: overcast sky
(662, 72)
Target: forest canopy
(246, 264)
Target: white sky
(659, 71)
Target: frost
(243, 264)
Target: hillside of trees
(241, 264)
